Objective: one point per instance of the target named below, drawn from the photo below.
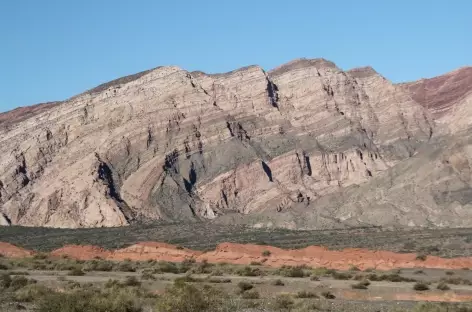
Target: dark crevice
(228, 125)
(369, 173)
(242, 134)
(307, 162)
(6, 218)
(225, 198)
(361, 156)
(272, 93)
(171, 161)
(192, 179)
(48, 135)
(105, 174)
(149, 138)
(267, 171)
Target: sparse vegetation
(76, 272)
(361, 285)
(266, 253)
(278, 282)
(341, 276)
(306, 294)
(456, 281)
(443, 286)
(284, 302)
(421, 257)
(251, 294)
(328, 295)
(249, 271)
(245, 286)
(420, 286)
(292, 271)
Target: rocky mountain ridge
(306, 145)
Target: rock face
(305, 145)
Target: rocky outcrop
(306, 145)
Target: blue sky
(52, 50)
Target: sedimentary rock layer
(306, 145)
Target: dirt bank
(245, 254)
(12, 251)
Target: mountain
(305, 145)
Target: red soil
(11, 251)
(85, 252)
(245, 254)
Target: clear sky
(54, 49)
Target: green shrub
(443, 286)
(76, 272)
(341, 276)
(421, 257)
(278, 282)
(182, 297)
(322, 271)
(5, 280)
(99, 265)
(186, 265)
(202, 268)
(40, 256)
(266, 253)
(252, 294)
(18, 282)
(189, 279)
(255, 263)
(292, 271)
(449, 273)
(328, 295)
(456, 281)
(359, 277)
(131, 281)
(306, 294)
(419, 272)
(283, 302)
(354, 268)
(126, 266)
(113, 283)
(219, 280)
(248, 271)
(245, 286)
(361, 285)
(146, 275)
(389, 277)
(89, 300)
(20, 273)
(420, 286)
(3, 266)
(31, 293)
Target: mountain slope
(305, 145)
